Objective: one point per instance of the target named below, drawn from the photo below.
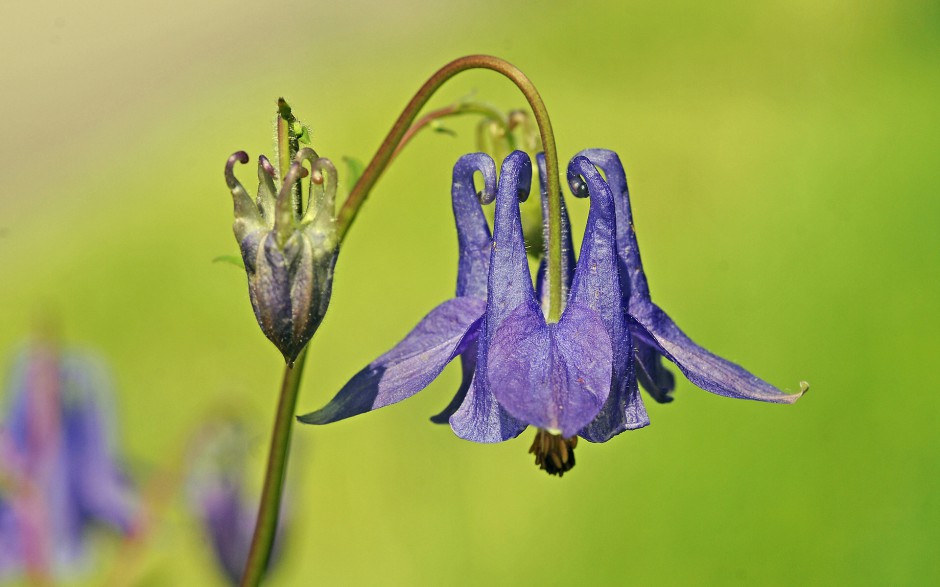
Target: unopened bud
(289, 251)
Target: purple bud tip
(266, 165)
(237, 157)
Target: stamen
(553, 454)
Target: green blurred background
(783, 163)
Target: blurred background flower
(61, 472)
(217, 495)
(782, 162)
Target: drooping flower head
(58, 459)
(556, 376)
(289, 250)
(576, 377)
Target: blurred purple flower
(217, 496)
(58, 461)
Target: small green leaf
(231, 259)
(304, 135)
(436, 126)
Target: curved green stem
(380, 161)
(270, 506)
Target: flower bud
(289, 251)
(217, 495)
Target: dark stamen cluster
(553, 454)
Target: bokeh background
(783, 162)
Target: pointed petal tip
(790, 398)
(311, 418)
(804, 387)
(265, 164)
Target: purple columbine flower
(289, 250)
(518, 369)
(58, 460)
(574, 378)
(655, 332)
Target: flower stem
(269, 508)
(384, 154)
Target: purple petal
(481, 419)
(632, 278)
(269, 288)
(704, 369)
(98, 484)
(650, 372)
(554, 376)
(658, 381)
(596, 285)
(411, 365)
(475, 243)
(473, 233)
(468, 364)
(510, 283)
